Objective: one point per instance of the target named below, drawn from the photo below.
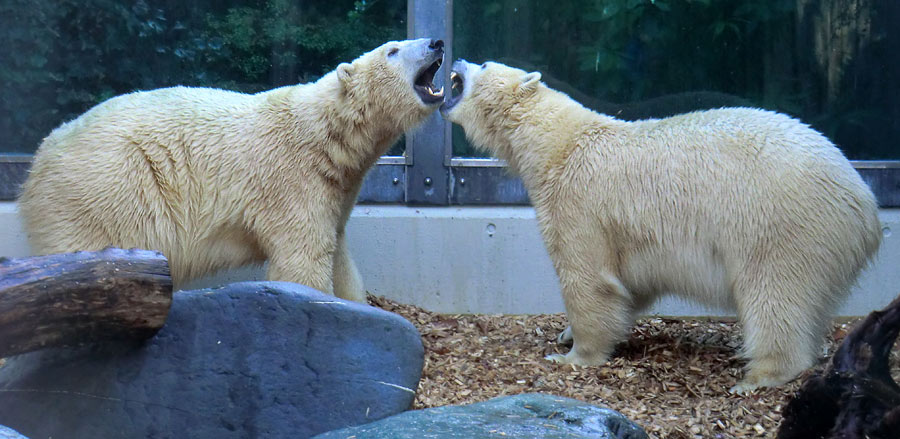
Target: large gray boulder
(524, 416)
(254, 359)
(9, 433)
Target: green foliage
(257, 42)
(60, 57)
(628, 49)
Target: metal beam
(429, 148)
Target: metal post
(429, 147)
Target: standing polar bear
(737, 208)
(216, 179)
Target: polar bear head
(486, 99)
(394, 82)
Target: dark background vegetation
(60, 57)
(835, 64)
(832, 63)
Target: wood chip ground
(671, 377)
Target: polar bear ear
(344, 72)
(530, 81)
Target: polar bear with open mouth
(217, 179)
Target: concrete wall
(487, 260)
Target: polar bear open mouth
(457, 83)
(424, 84)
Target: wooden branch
(855, 396)
(75, 298)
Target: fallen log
(75, 298)
(855, 396)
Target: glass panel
(399, 148)
(835, 64)
(58, 58)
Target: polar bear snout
(424, 80)
(458, 76)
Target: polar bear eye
(393, 51)
(483, 66)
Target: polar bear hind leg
(785, 315)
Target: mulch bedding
(671, 377)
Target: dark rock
(254, 359)
(521, 417)
(9, 433)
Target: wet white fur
(217, 179)
(737, 208)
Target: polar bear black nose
(436, 44)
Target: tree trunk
(855, 397)
(75, 298)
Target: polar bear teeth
(456, 82)
(424, 84)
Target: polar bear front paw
(573, 358)
(556, 358)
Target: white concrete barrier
(487, 260)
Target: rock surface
(253, 359)
(522, 417)
(8, 433)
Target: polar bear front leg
(347, 281)
(314, 272)
(598, 310)
(305, 257)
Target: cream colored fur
(737, 208)
(217, 179)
